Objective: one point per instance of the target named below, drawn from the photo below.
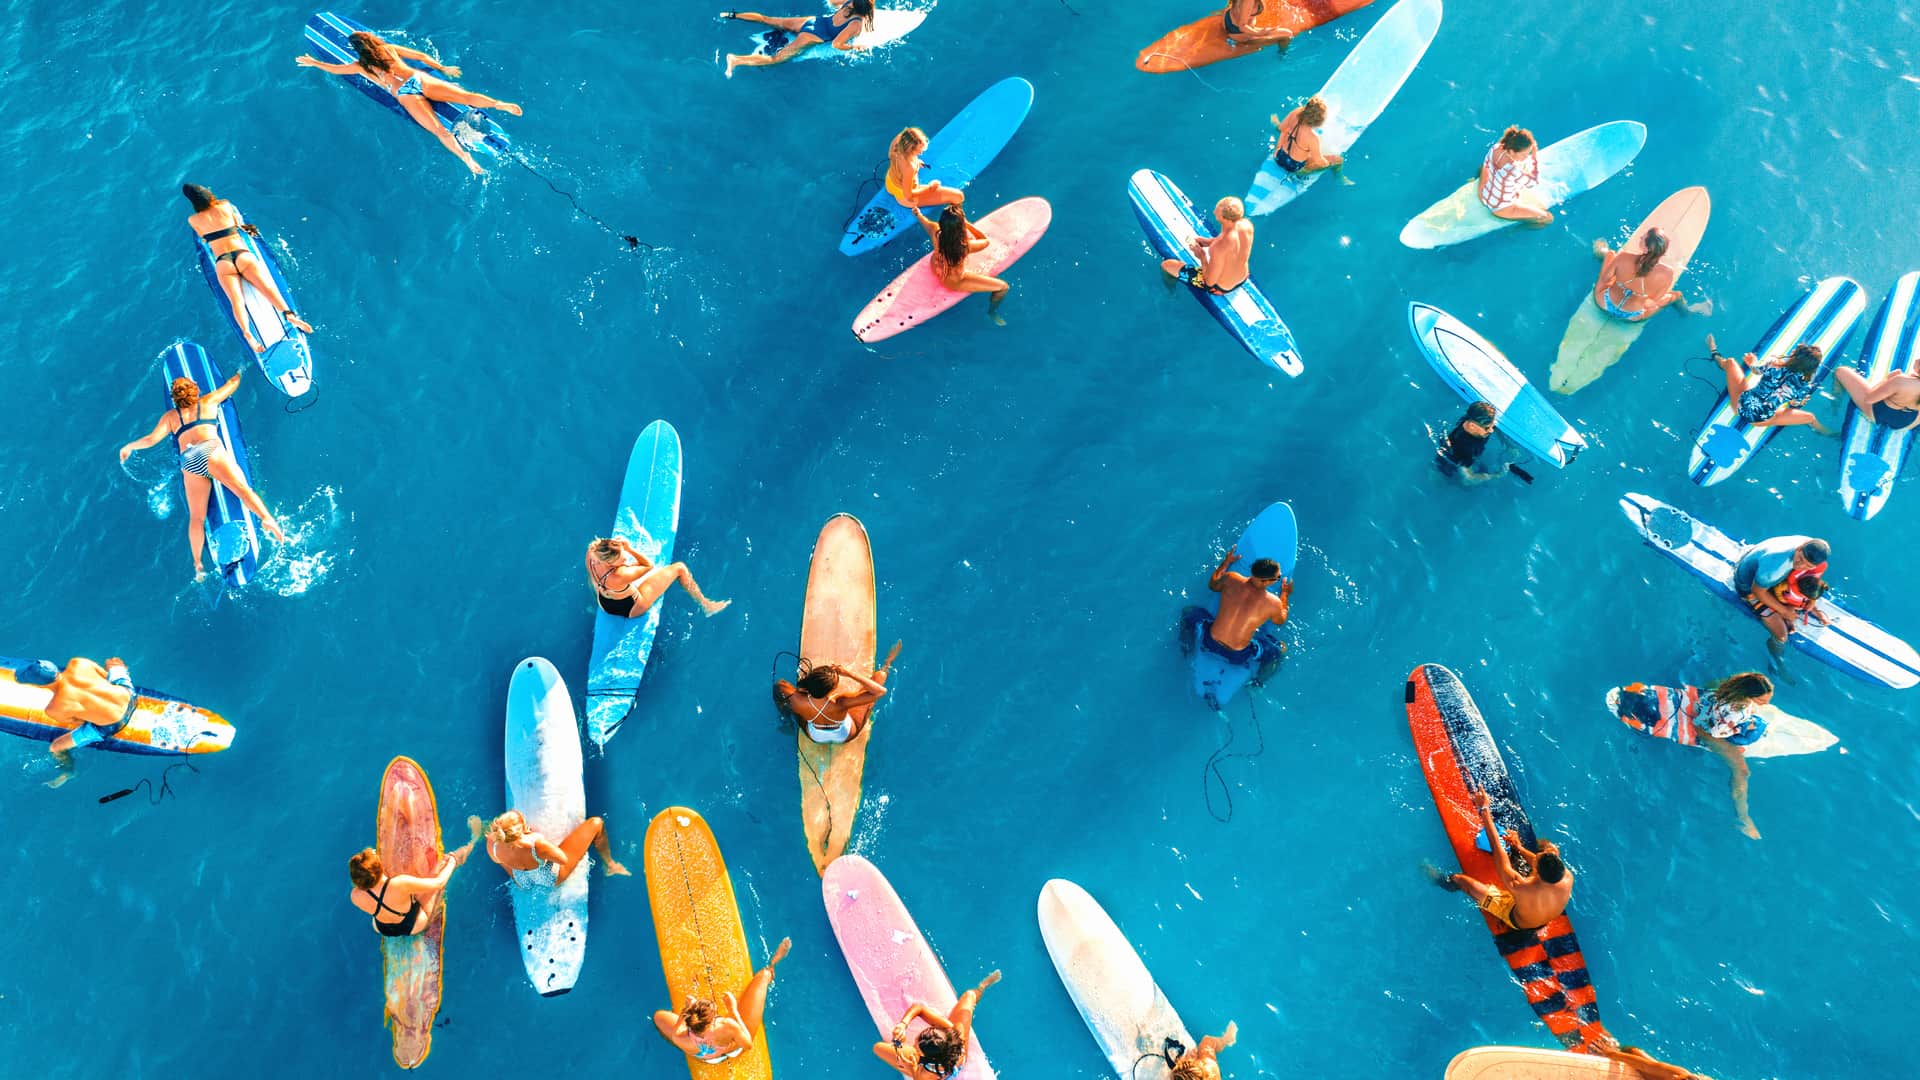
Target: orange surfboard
(1204, 41)
(407, 836)
(1527, 1063)
(837, 627)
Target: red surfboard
(1458, 754)
(1204, 41)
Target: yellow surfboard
(407, 836)
(836, 628)
(703, 947)
(1528, 1063)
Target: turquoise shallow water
(1042, 500)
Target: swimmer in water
(387, 66)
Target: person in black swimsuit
(1237, 20)
(1461, 455)
(627, 584)
(218, 222)
(380, 895)
(1296, 149)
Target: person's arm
(1502, 863)
(844, 41)
(931, 227)
(226, 389)
(548, 850)
(1513, 843)
(1279, 617)
(152, 438)
(1607, 278)
(331, 69)
(1813, 612)
(1221, 573)
(415, 54)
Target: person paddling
(99, 700)
(1240, 633)
(1522, 901)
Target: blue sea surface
(1042, 498)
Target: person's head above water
(699, 1015)
(1229, 210)
(372, 50)
(909, 142)
(186, 393)
(1516, 140)
(201, 198)
(1745, 688)
(1264, 572)
(1653, 245)
(1804, 360)
(1481, 414)
(365, 868)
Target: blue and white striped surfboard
(1825, 316)
(328, 32)
(233, 533)
(287, 361)
(648, 518)
(1871, 454)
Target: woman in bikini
(1771, 394)
(1203, 1061)
(954, 238)
(531, 859)
(193, 424)
(1509, 176)
(839, 28)
(707, 1035)
(1296, 147)
(218, 222)
(940, 1049)
(825, 712)
(385, 64)
(627, 583)
(1634, 285)
(1237, 20)
(401, 905)
(903, 174)
(1891, 401)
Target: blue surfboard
(1171, 225)
(287, 361)
(954, 156)
(1574, 165)
(233, 533)
(1479, 372)
(1273, 535)
(648, 517)
(328, 31)
(1872, 454)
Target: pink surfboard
(916, 295)
(891, 963)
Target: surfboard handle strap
(155, 794)
(634, 243)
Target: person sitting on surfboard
(1460, 455)
(1523, 902)
(100, 700)
(816, 702)
(1237, 20)
(626, 583)
(954, 238)
(1893, 400)
(401, 905)
(941, 1047)
(1509, 176)
(838, 28)
(1223, 258)
(707, 1035)
(1801, 593)
(1770, 394)
(1729, 723)
(533, 860)
(1634, 285)
(218, 222)
(1763, 566)
(1296, 147)
(903, 174)
(385, 65)
(1239, 632)
(1202, 1062)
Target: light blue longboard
(1847, 642)
(1356, 95)
(328, 32)
(1825, 316)
(545, 783)
(1872, 454)
(954, 156)
(1573, 166)
(233, 533)
(287, 361)
(1172, 224)
(1273, 535)
(1479, 372)
(648, 518)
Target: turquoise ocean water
(1042, 498)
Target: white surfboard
(545, 783)
(1126, 1012)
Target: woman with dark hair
(1509, 176)
(204, 459)
(702, 1032)
(1237, 20)
(825, 712)
(954, 238)
(1296, 147)
(1770, 394)
(1634, 285)
(401, 905)
(903, 174)
(218, 222)
(385, 64)
(839, 28)
(941, 1047)
(1729, 721)
(627, 583)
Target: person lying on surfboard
(1729, 724)
(1237, 20)
(954, 238)
(1771, 394)
(1462, 454)
(101, 700)
(825, 712)
(711, 1037)
(1239, 634)
(941, 1047)
(626, 583)
(1202, 1062)
(218, 222)
(385, 65)
(401, 905)
(1522, 901)
(1509, 175)
(903, 174)
(1634, 285)
(1762, 567)
(1223, 258)
(839, 28)
(533, 860)
(1296, 144)
(1892, 401)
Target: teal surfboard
(1273, 535)
(648, 517)
(1574, 165)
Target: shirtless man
(1223, 258)
(1246, 609)
(1522, 902)
(1237, 21)
(101, 699)
(1891, 401)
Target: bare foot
(255, 345)
(1749, 831)
(992, 977)
(273, 530)
(614, 869)
(299, 323)
(1704, 307)
(1601, 250)
(1711, 347)
(199, 573)
(892, 654)
(732, 62)
(714, 607)
(510, 107)
(780, 952)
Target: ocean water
(1043, 499)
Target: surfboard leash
(634, 243)
(1211, 771)
(155, 794)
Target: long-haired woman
(1634, 285)
(1509, 176)
(839, 28)
(218, 222)
(386, 64)
(827, 713)
(954, 239)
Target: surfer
(218, 222)
(1523, 902)
(1239, 634)
(1763, 566)
(1237, 20)
(1466, 445)
(816, 702)
(1770, 394)
(1892, 400)
(1729, 723)
(385, 65)
(839, 28)
(1296, 147)
(99, 701)
(627, 584)
(1634, 285)
(903, 174)
(1223, 258)
(204, 459)
(533, 860)
(707, 1035)
(954, 239)
(1201, 1062)
(941, 1047)
(379, 894)
(1509, 176)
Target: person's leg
(417, 107)
(974, 283)
(793, 48)
(254, 272)
(941, 196)
(1856, 387)
(1736, 375)
(589, 833)
(1173, 267)
(962, 1012)
(783, 22)
(1736, 759)
(197, 489)
(442, 90)
(229, 279)
(753, 996)
(1790, 418)
(666, 1023)
(224, 470)
(650, 588)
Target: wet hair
(1804, 360)
(862, 8)
(911, 140)
(365, 868)
(1746, 686)
(1516, 139)
(602, 548)
(372, 50)
(186, 393)
(1229, 209)
(699, 1015)
(1549, 867)
(1313, 113)
(1483, 413)
(816, 680)
(200, 197)
(952, 243)
(940, 1050)
(1656, 246)
(1265, 568)
(1816, 551)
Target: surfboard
(1272, 535)
(1825, 316)
(1356, 95)
(1204, 41)
(1594, 340)
(1573, 166)
(1128, 1014)
(955, 154)
(703, 946)
(545, 783)
(161, 723)
(1679, 708)
(1477, 371)
(327, 34)
(1528, 1063)
(1172, 225)
(891, 962)
(287, 361)
(233, 533)
(918, 294)
(407, 836)
(837, 626)
(1458, 755)
(648, 517)
(1847, 642)
(1872, 454)
(889, 26)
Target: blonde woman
(385, 64)
(626, 583)
(903, 174)
(702, 1032)
(533, 860)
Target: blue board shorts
(1197, 621)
